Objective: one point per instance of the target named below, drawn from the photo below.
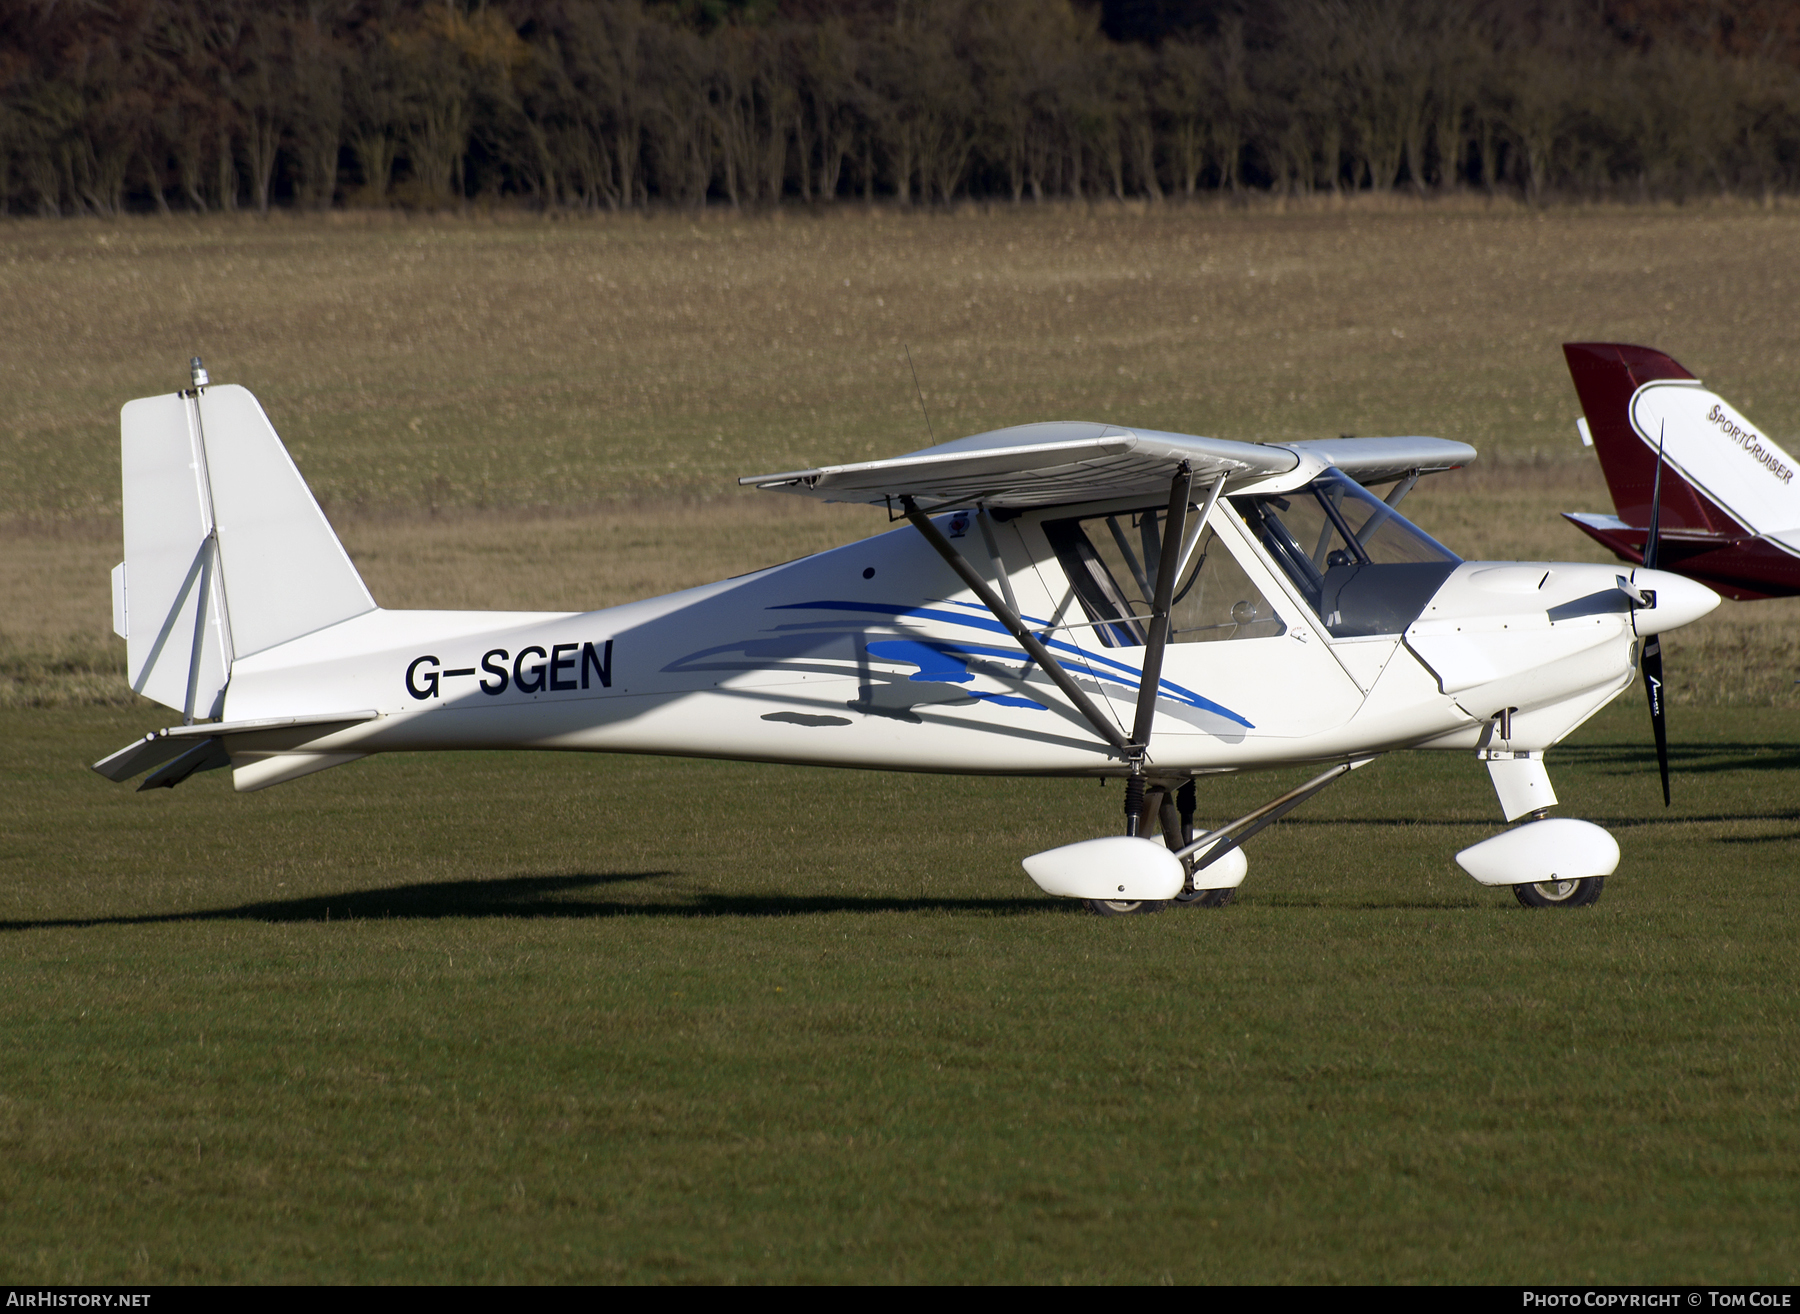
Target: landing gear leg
(1141, 802)
(1178, 833)
(1171, 824)
(1134, 803)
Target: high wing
(1378, 460)
(1035, 465)
(1063, 461)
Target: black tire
(1124, 907)
(1583, 893)
(1205, 898)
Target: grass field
(556, 1018)
(540, 1017)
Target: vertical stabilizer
(177, 643)
(226, 551)
(286, 574)
(1722, 476)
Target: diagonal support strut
(1267, 815)
(1015, 626)
(1156, 642)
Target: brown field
(508, 410)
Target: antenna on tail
(920, 391)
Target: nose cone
(1679, 601)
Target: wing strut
(1157, 641)
(1016, 627)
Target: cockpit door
(1243, 662)
(1361, 568)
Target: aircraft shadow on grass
(1694, 759)
(1476, 823)
(540, 896)
(548, 896)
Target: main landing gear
(1214, 862)
(1125, 865)
(1174, 812)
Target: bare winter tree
(108, 105)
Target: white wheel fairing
(1226, 874)
(1114, 869)
(1542, 852)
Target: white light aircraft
(1062, 599)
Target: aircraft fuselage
(874, 655)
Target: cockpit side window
(1094, 584)
(1361, 565)
(1111, 562)
(1295, 531)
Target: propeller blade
(1653, 688)
(1652, 654)
(1650, 538)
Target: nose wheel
(1581, 893)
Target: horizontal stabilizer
(1739, 565)
(133, 759)
(1035, 465)
(182, 750)
(207, 755)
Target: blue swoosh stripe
(1128, 675)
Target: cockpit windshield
(1112, 561)
(1361, 565)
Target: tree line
(109, 106)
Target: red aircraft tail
(1607, 375)
(1740, 533)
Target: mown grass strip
(551, 1017)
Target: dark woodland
(112, 106)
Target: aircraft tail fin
(226, 550)
(1721, 476)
